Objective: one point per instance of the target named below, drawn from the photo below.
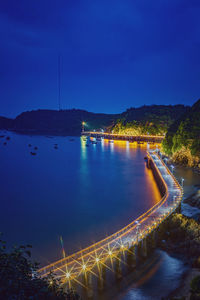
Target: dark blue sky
(115, 54)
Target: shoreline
(183, 288)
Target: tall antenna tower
(59, 79)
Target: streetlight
(137, 229)
(172, 167)
(83, 123)
(166, 159)
(67, 275)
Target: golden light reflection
(92, 258)
(83, 148)
(151, 186)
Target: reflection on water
(160, 275)
(80, 192)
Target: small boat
(5, 143)
(71, 140)
(29, 145)
(7, 138)
(35, 148)
(55, 147)
(33, 153)
(87, 145)
(2, 136)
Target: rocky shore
(182, 239)
(194, 199)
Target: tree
(19, 279)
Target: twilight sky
(115, 53)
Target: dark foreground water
(80, 193)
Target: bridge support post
(101, 278)
(131, 257)
(89, 285)
(118, 268)
(144, 247)
(153, 239)
(139, 250)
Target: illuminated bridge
(126, 137)
(83, 266)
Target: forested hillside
(54, 122)
(155, 119)
(182, 140)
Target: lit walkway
(103, 252)
(109, 135)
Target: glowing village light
(84, 267)
(110, 252)
(83, 124)
(97, 259)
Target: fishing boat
(33, 153)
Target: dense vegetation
(182, 237)
(182, 140)
(19, 280)
(154, 119)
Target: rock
(194, 199)
(196, 217)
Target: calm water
(79, 192)
(82, 193)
